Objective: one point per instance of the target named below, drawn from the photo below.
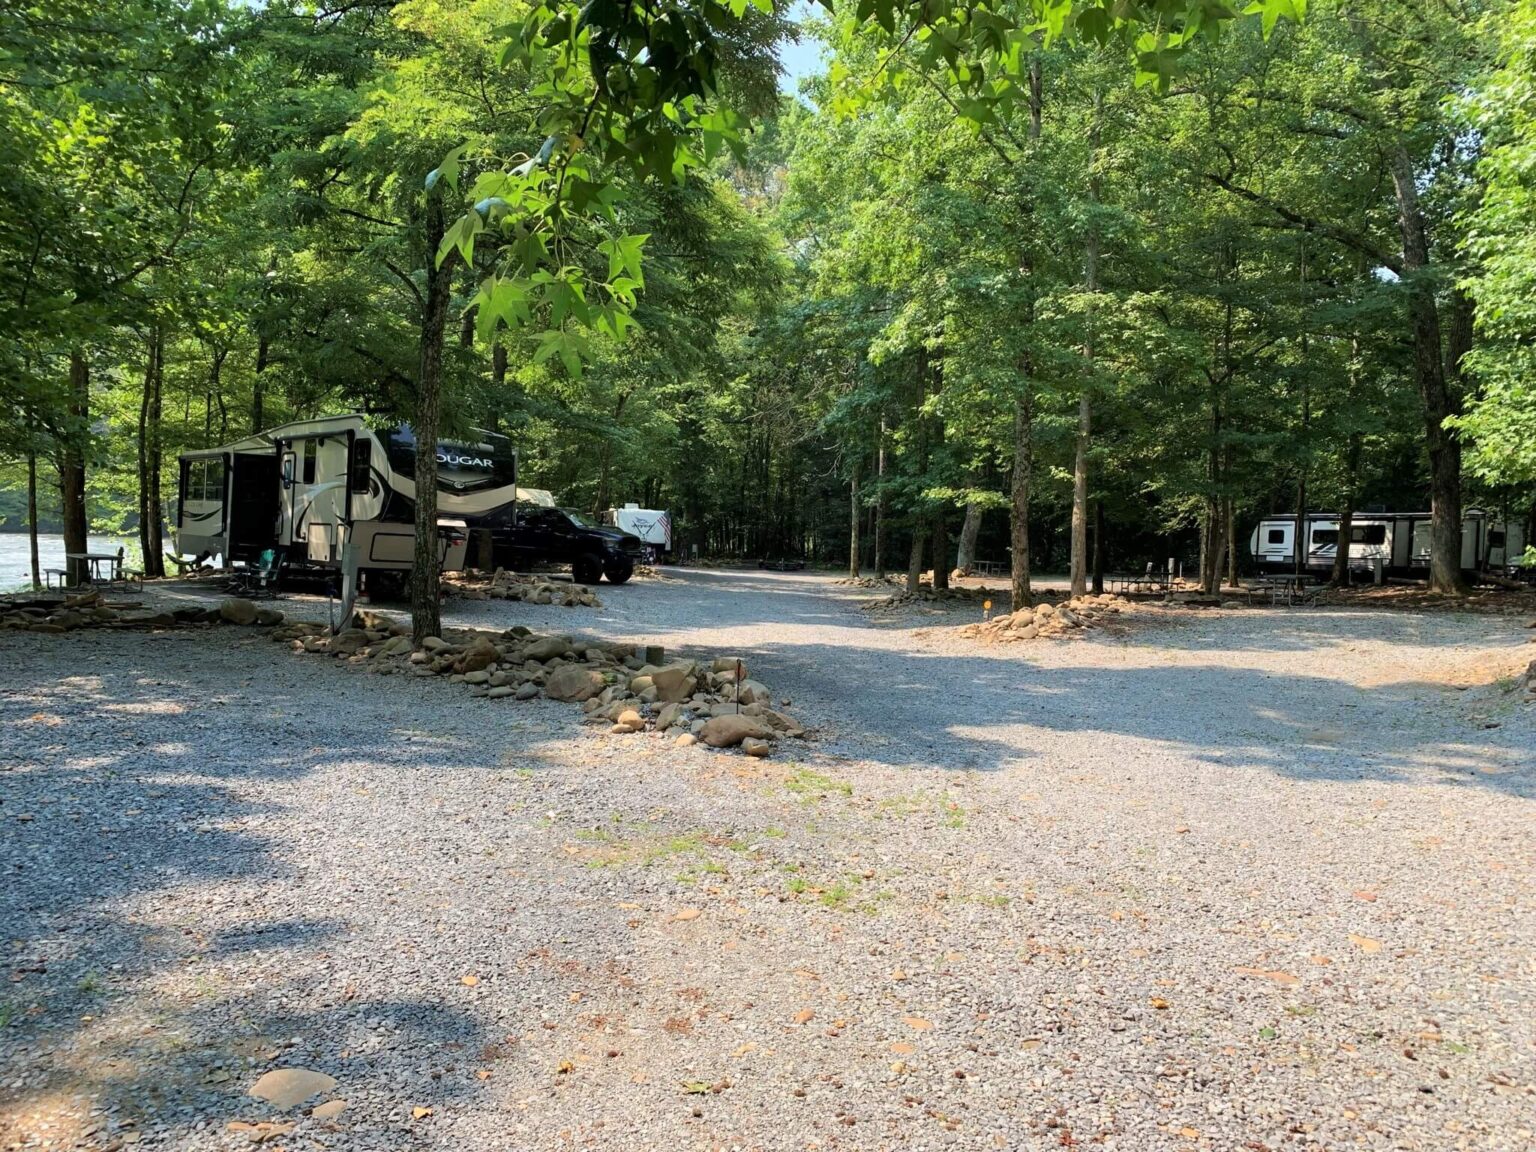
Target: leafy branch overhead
(634, 91)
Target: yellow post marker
(986, 609)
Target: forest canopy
(1054, 285)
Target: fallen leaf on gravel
(1318, 959)
(565, 1068)
(1365, 943)
(749, 1046)
(1367, 895)
(1159, 1003)
(804, 1016)
(469, 981)
(1181, 829)
(902, 1048)
(695, 1088)
(1031, 1044)
(1277, 976)
(420, 1113)
(898, 974)
(1190, 1133)
(687, 914)
(918, 1022)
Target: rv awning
(257, 443)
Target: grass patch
(809, 786)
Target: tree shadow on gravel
(149, 973)
(985, 714)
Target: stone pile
(628, 688)
(90, 610)
(927, 594)
(506, 585)
(1046, 620)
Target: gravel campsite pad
(1251, 879)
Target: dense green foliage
(1050, 277)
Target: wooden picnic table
(112, 562)
(1290, 586)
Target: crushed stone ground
(1254, 880)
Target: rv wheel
(587, 569)
(619, 571)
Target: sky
(799, 59)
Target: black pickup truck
(541, 536)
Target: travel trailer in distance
(1399, 541)
(336, 493)
(653, 527)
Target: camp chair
(259, 579)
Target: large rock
(548, 648)
(477, 657)
(269, 617)
(348, 641)
(674, 683)
(728, 664)
(237, 611)
(728, 731)
(573, 682)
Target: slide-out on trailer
(336, 493)
(1398, 541)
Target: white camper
(336, 493)
(652, 526)
(1397, 541)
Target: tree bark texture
(426, 606)
(72, 466)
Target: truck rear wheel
(587, 569)
(619, 571)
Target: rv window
(1368, 534)
(362, 461)
(1495, 538)
(309, 462)
(1276, 536)
(1325, 537)
(205, 480)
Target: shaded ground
(1257, 879)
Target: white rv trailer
(652, 526)
(1399, 541)
(336, 493)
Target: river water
(16, 564)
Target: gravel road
(1232, 880)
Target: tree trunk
(915, 558)
(940, 549)
(150, 457)
(72, 466)
(258, 395)
(1435, 393)
(1023, 402)
(498, 381)
(970, 529)
(426, 608)
(1231, 540)
(1018, 519)
(1079, 564)
(1098, 547)
(853, 520)
(1340, 576)
(37, 572)
(880, 504)
(1303, 547)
